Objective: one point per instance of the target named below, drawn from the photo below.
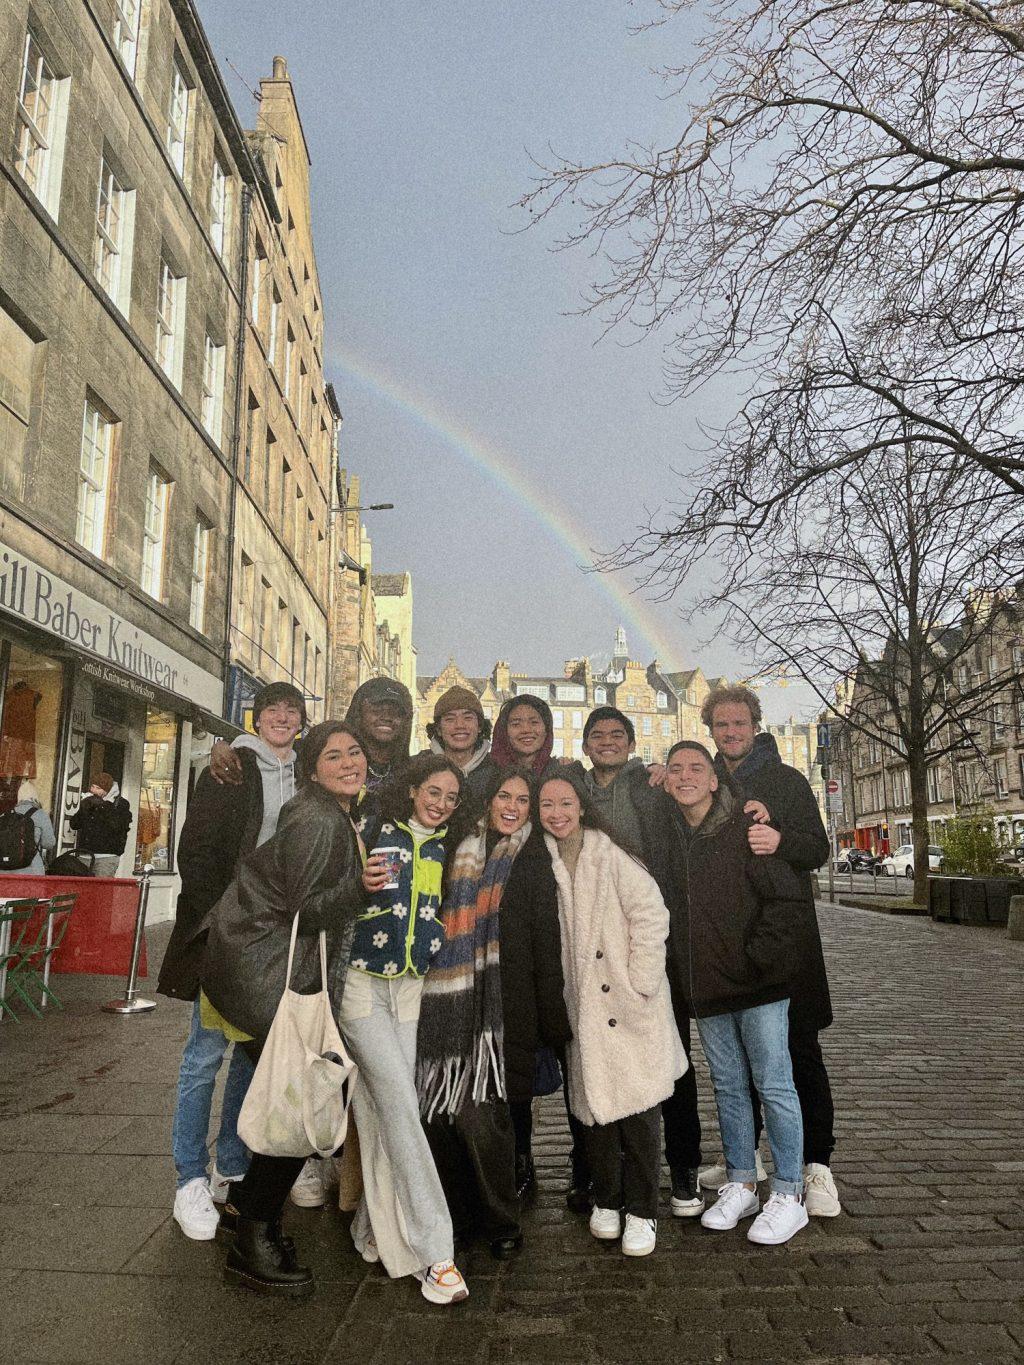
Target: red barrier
(99, 936)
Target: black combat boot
(265, 1261)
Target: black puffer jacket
(222, 826)
(735, 918)
(102, 826)
(311, 866)
(533, 1003)
(804, 846)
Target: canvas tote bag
(298, 1099)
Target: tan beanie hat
(458, 699)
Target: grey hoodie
(620, 802)
(278, 776)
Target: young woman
(402, 1219)
(625, 1054)
(494, 995)
(311, 866)
(524, 736)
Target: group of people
(500, 923)
(101, 824)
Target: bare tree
(839, 220)
(893, 573)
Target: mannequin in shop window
(102, 823)
(18, 739)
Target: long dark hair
(396, 801)
(590, 817)
(498, 779)
(313, 745)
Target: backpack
(17, 840)
(71, 864)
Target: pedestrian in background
(493, 997)
(28, 828)
(223, 825)
(625, 1054)
(734, 921)
(102, 823)
(402, 1219)
(310, 867)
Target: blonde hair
(737, 696)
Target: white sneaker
(605, 1224)
(781, 1217)
(734, 1202)
(821, 1198)
(308, 1190)
(640, 1236)
(369, 1251)
(443, 1283)
(194, 1211)
(220, 1186)
(714, 1177)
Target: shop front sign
(41, 599)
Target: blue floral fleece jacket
(400, 932)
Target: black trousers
(624, 1164)
(522, 1123)
(475, 1158)
(813, 1091)
(680, 1113)
(262, 1192)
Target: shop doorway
(102, 756)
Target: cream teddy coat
(626, 1054)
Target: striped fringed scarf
(460, 1054)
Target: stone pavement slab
(927, 1262)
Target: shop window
(154, 820)
(30, 726)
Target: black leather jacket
(311, 866)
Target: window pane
(156, 799)
(29, 727)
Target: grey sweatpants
(403, 1205)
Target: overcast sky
(508, 434)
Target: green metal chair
(16, 923)
(35, 966)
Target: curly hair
(736, 696)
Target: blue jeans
(200, 1063)
(755, 1044)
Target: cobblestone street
(928, 1260)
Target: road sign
(834, 792)
(833, 786)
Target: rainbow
(500, 467)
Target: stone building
(123, 171)
(287, 442)
(392, 596)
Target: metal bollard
(1015, 922)
(132, 1003)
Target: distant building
(392, 594)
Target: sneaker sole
(778, 1241)
(305, 1201)
(440, 1297)
(199, 1236)
(606, 1236)
(728, 1227)
(241, 1280)
(638, 1251)
(824, 1213)
(689, 1208)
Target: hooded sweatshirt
(623, 802)
(278, 776)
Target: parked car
(901, 862)
(855, 860)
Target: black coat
(221, 826)
(734, 917)
(311, 867)
(533, 1002)
(102, 826)
(805, 847)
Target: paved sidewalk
(928, 1262)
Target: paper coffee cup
(392, 857)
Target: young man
(797, 836)
(461, 732)
(620, 787)
(224, 823)
(102, 823)
(734, 920)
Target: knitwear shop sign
(41, 599)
